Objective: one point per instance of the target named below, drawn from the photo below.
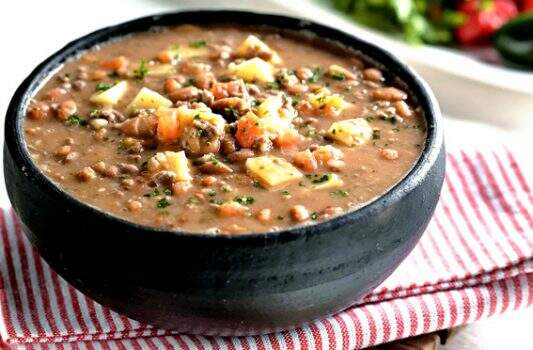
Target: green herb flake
(314, 215)
(141, 71)
(189, 82)
(75, 120)
(317, 75)
(376, 134)
(317, 179)
(370, 119)
(231, 113)
(198, 44)
(103, 86)
(285, 193)
(338, 76)
(339, 193)
(153, 193)
(244, 200)
(280, 217)
(257, 184)
(162, 203)
(211, 193)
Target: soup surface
(223, 129)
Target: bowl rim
(15, 141)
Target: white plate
(464, 86)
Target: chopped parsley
(189, 82)
(244, 200)
(158, 192)
(285, 193)
(376, 134)
(318, 179)
(162, 203)
(396, 129)
(192, 201)
(103, 86)
(141, 71)
(198, 44)
(338, 76)
(231, 113)
(369, 119)
(339, 193)
(280, 217)
(75, 120)
(317, 75)
(226, 188)
(257, 184)
(314, 215)
(275, 85)
(211, 193)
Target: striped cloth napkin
(474, 261)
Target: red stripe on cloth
(332, 341)
(493, 184)
(519, 175)
(317, 338)
(344, 332)
(467, 221)
(506, 177)
(19, 318)
(483, 192)
(475, 205)
(27, 288)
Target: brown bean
(86, 174)
(171, 85)
(403, 109)
(208, 181)
(240, 155)
(299, 213)
(188, 93)
(373, 74)
(304, 73)
(128, 168)
(231, 209)
(228, 145)
(389, 94)
(134, 205)
(38, 111)
(389, 153)
(66, 109)
(264, 215)
(55, 93)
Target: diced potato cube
(187, 115)
(112, 95)
(331, 181)
(351, 132)
(270, 106)
(185, 51)
(253, 70)
(323, 99)
(179, 164)
(272, 171)
(273, 117)
(147, 98)
(161, 70)
(253, 44)
(171, 161)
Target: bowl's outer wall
(223, 285)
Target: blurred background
(477, 56)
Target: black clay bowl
(218, 284)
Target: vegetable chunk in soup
(223, 129)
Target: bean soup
(223, 129)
